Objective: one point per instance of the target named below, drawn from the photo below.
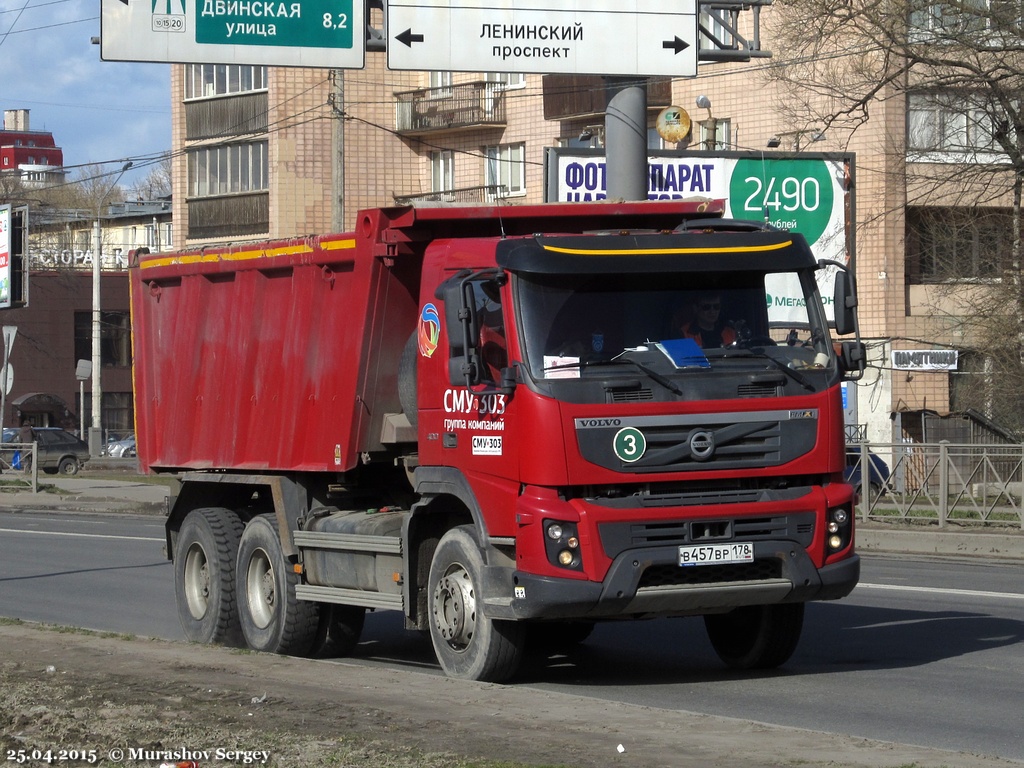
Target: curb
(954, 543)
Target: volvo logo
(702, 444)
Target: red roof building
(30, 154)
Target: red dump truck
(508, 423)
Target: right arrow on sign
(677, 44)
(409, 38)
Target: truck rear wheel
(756, 636)
(468, 645)
(273, 620)
(204, 576)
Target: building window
(228, 169)
(717, 30)
(947, 21)
(505, 167)
(205, 80)
(506, 81)
(115, 338)
(440, 84)
(957, 244)
(722, 137)
(442, 171)
(946, 122)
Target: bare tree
(957, 69)
(155, 185)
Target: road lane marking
(82, 535)
(943, 591)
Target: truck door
(478, 432)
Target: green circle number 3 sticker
(629, 444)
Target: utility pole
(96, 430)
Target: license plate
(717, 554)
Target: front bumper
(784, 573)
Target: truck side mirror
(853, 358)
(845, 303)
(463, 331)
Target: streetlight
(710, 125)
(96, 430)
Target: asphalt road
(926, 651)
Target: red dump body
(283, 355)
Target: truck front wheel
(273, 620)
(467, 643)
(756, 636)
(204, 576)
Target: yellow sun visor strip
(205, 257)
(669, 251)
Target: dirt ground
(137, 702)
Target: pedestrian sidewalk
(102, 494)
(86, 494)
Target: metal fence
(940, 483)
(18, 465)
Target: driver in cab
(707, 328)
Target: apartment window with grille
(505, 166)
(206, 80)
(227, 170)
(949, 244)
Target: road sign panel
(609, 37)
(289, 33)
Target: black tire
(756, 636)
(468, 645)
(273, 620)
(204, 576)
(68, 466)
(344, 626)
(407, 379)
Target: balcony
(459, 107)
(586, 96)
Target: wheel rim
(197, 581)
(455, 607)
(260, 589)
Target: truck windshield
(673, 324)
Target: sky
(99, 112)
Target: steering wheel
(757, 341)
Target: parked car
(57, 450)
(878, 472)
(120, 449)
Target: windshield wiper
(664, 381)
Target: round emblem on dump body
(702, 444)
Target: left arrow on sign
(408, 38)
(677, 45)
